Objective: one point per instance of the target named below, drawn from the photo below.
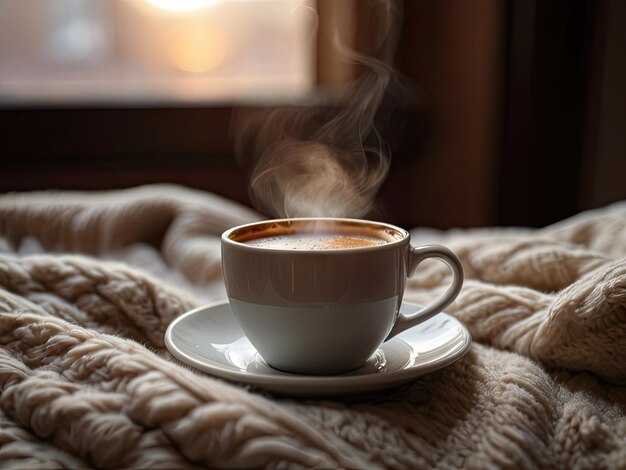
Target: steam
(316, 161)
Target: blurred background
(516, 115)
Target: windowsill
(203, 92)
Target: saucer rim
(399, 375)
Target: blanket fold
(90, 281)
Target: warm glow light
(181, 5)
(197, 48)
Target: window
(165, 51)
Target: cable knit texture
(90, 281)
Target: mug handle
(416, 256)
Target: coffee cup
(320, 295)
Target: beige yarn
(85, 380)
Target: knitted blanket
(90, 281)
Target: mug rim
(406, 236)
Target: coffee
(315, 234)
(316, 241)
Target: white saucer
(210, 339)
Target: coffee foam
(343, 230)
(316, 241)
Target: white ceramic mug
(325, 311)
